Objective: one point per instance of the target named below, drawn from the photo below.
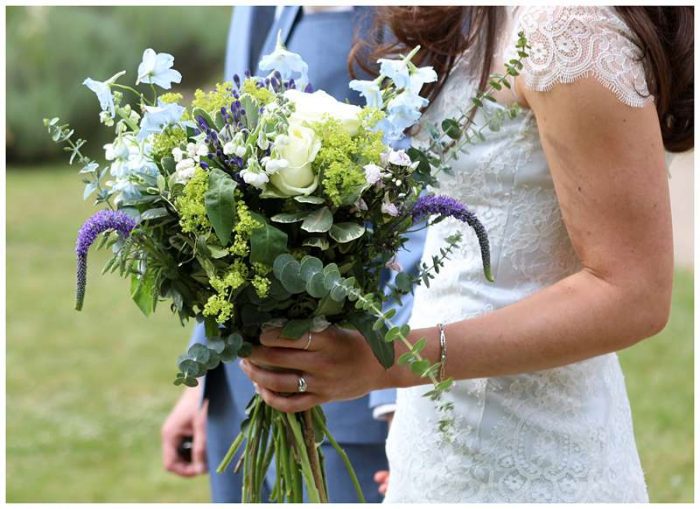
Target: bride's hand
(337, 365)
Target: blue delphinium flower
(155, 68)
(132, 168)
(156, 118)
(396, 70)
(290, 65)
(103, 91)
(98, 223)
(370, 91)
(405, 75)
(445, 206)
(403, 111)
(419, 77)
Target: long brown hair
(665, 36)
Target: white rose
(313, 107)
(297, 177)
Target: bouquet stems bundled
(295, 438)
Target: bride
(574, 196)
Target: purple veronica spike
(99, 222)
(444, 206)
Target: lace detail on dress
(568, 43)
(558, 435)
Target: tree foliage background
(51, 50)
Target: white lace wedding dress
(558, 435)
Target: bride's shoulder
(572, 42)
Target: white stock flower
(373, 173)
(184, 170)
(390, 209)
(255, 178)
(399, 158)
(177, 154)
(272, 166)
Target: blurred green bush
(51, 50)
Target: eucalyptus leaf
(310, 265)
(290, 277)
(280, 262)
(316, 286)
(451, 128)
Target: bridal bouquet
(265, 203)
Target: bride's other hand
(336, 364)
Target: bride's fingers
(273, 338)
(288, 404)
(287, 358)
(277, 381)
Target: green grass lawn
(87, 392)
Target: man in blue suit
(323, 37)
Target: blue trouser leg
(366, 459)
(223, 424)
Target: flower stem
(318, 416)
(304, 462)
(310, 441)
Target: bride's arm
(607, 162)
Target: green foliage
(262, 95)
(55, 437)
(51, 50)
(193, 212)
(165, 142)
(266, 243)
(341, 158)
(318, 221)
(220, 203)
(212, 101)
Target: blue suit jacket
(253, 33)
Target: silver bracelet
(443, 351)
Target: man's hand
(187, 419)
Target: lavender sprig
(445, 206)
(96, 224)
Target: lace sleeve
(568, 43)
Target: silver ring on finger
(301, 384)
(308, 341)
